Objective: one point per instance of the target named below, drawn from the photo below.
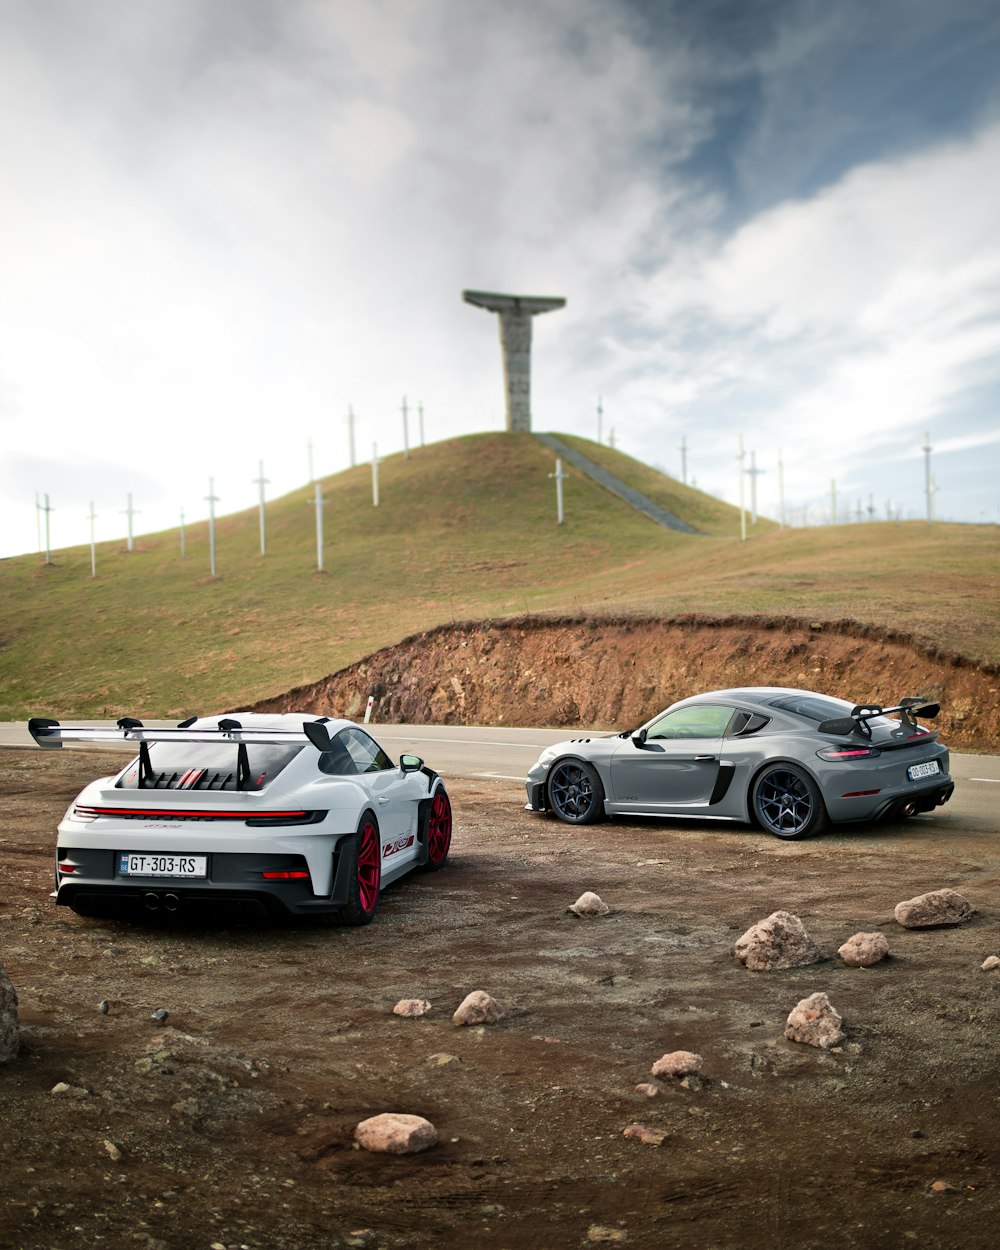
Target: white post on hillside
(261, 481)
(743, 515)
(47, 508)
(129, 512)
(420, 415)
(600, 420)
(212, 499)
(406, 430)
(38, 521)
(684, 459)
(351, 418)
(833, 501)
(309, 453)
(611, 438)
(560, 478)
(753, 473)
(781, 489)
(183, 544)
(318, 503)
(374, 475)
(928, 483)
(92, 517)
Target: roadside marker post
(560, 477)
(368, 709)
(212, 499)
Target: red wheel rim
(369, 866)
(439, 828)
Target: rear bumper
(235, 886)
(910, 804)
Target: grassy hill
(465, 529)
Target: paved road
(507, 754)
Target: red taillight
(66, 869)
(858, 794)
(185, 813)
(285, 876)
(848, 753)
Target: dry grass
(466, 529)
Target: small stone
(942, 1187)
(864, 949)
(778, 941)
(113, 1152)
(600, 1234)
(815, 1022)
(938, 907)
(648, 1088)
(442, 1059)
(104, 1006)
(478, 1008)
(646, 1134)
(60, 1088)
(160, 1015)
(989, 964)
(411, 1007)
(677, 1063)
(589, 904)
(396, 1134)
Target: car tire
(364, 865)
(575, 792)
(785, 801)
(438, 831)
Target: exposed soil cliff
(613, 673)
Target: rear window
(207, 766)
(812, 706)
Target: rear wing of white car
(51, 734)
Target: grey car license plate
(923, 770)
(135, 865)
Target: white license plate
(923, 770)
(131, 865)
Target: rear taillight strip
(188, 813)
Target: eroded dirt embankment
(613, 673)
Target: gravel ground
(230, 1123)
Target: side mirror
(411, 763)
(639, 737)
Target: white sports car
(285, 815)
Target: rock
(104, 1006)
(677, 1063)
(589, 904)
(478, 1008)
(600, 1234)
(10, 1027)
(160, 1015)
(864, 949)
(442, 1059)
(778, 941)
(648, 1088)
(648, 1135)
(114, 1152)
(989, 964)
(814, 1022)
(938, 907)
(396, 1134)
(942, 1187)
(411, 1007)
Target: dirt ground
(617, 672)
(230, 1125)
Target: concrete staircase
(614, 484)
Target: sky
(226, 224)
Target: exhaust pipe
(171, 902)
(152, 902)
(908, 809)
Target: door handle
(700, 759)
(382, 802)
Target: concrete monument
(515, 313)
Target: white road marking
(994, 780)
(499, 776)
(463, 741)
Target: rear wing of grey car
(858, 720)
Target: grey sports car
(790, 761)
